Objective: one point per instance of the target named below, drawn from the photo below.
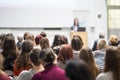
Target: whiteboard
(35, 17)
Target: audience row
(33, 58)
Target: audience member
(37, 41)
(101, 35)
(44, 43)
(113, 40)
(22, 61)
(52, 71)
(8, 54)
(55, 41)
(43, 34)
(112, 65)
(26, 35)
(76, 44)
(62, 40)
(100, 53)
(20, 41)
(78, 70)
(36, 66)
(64, 55)
(87, 56)
(30, 36)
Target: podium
(83, 35)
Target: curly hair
(23, 59)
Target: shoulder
(105, 76)
(23, 75)
(36, 76)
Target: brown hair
(44, 43)
(86, 55)
(34, 57)
(23, 59)
(26, 35)
(9, 47)
(65, 53)
(112, 61)
(76, 42)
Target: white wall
(53, 13)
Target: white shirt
(105, 76)
(75, 28)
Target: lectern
(83, 35)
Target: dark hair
(27, 46)
(9, 52)
(47, 55)
(37, 39)
(23, 59)
(77, 21)
(112, 61)
(34, 57)
(9, 47)
(56, 40)
(76, 42)
(43, 34)
(63, 40)
(78, 70)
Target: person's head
(112, 61)
(76, 42)
(113, 40)
(22, 60)
(20, 37)
(43, 34)
(34, 57)
(56, 40)
(102, 44)
(63, 40)
(30, 36)
(77, 70)
(44, 43)
(27, 46)
(37, 39)
(47, 56)
(26, 35)
(87, 56)
(9, 46)
(65, 53)
(76, 22)
(101, 34)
